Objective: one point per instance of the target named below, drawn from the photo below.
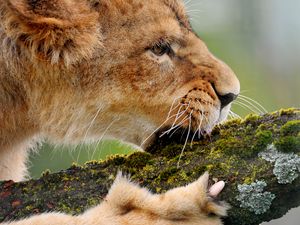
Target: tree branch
(258, 157)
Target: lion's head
(113, 68)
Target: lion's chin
(224, 113)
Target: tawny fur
(77, 71)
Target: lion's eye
(161, 49)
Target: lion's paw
(192, 204)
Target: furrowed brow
(181, 18)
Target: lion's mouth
(192, 124)
(190, 118)
(198, 111)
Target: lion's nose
(226, 99)
(226, 85)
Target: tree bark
(258, 157)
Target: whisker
(200, 124)
(245, 106)
(235, 115)
(157, 129)
(168, 118)
(192, 4)
(255, 102)
(178, 126)
(174, 127)
(179, 114)
(174, 123)
(202, 112)
(189, 4)
(195, 18)
(201, 116)
(91, 124)
(250, 104)
(230, 115)
(95, 149)
(194, 135)
(193, 10)
(206, 119)
(187, 137)
(171, 109)
(186, 2)
(237, 103)
(105, 131)
(87, 131)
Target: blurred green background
(259, 39)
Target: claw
(216, 189)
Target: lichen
(286, 165)
(253, 197)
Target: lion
(76, 71)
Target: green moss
(289, 111)
(288, 144)
(138, 160)
(251, 118)
(65, 208)
(168, 174)
(221, 166)
(209, 167)
(216, 153)
(149, 168)
(241, 141)
(291, 128)
(233, 122)
(227, 146)
(177, 176)
(248, 180)
(262, 139)
(46, 172)
(92, 162)
(29, 208)
(93, 201)
(115, 160)
(171, 150)
(255, 172)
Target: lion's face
(122, 70)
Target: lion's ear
(59, 31)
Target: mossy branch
(258, 157)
